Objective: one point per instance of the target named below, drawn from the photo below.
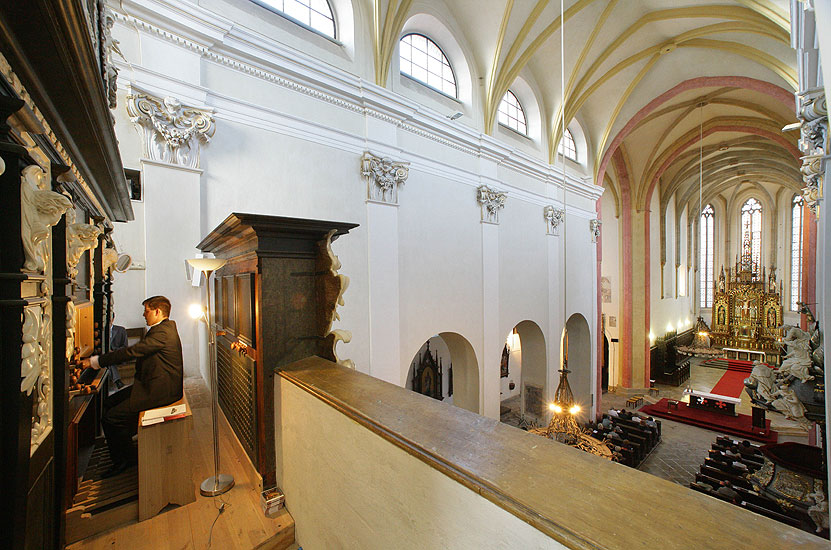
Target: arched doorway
(445, 368)
(604, 381)
(576, 350)
(523, 375)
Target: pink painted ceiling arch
(780, 94)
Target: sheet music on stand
(156, 416)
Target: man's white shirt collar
(153, 325)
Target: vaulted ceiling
(656, 82)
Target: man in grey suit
(158, 381)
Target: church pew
(722, 475)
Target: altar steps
(729, 364)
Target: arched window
(315, 14)
(511, 113)
(568, 147)
(752, 231)
(796, 251)
(706, 256)
(423, 60)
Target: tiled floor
(683, 447)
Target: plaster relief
(594, 228)
(491, 202)
(553, 218)
(383, 177)
(171, 132)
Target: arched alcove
(445, 368)
(577, 349)
(526, 368)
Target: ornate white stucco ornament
(41, 208)
(383, 176)
(80, 237)
(553, 218)
(813, 142)
(109, 46)
(172, 132)
(594, 227)
(491, 202)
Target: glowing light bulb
(556, 408)
(196, 311)
(574, 410)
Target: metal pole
(219, 483)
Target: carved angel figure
(797, 362)
(41, 209)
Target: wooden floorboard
(241, 526)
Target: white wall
(611, 268)
(288, 141)
(669, 310)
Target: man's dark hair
(158, 302)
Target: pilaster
(383, 178)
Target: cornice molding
(219, 41)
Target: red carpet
(740, 426)
(731, 384)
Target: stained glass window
(796, 252)
(706, 256)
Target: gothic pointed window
(796, 251)
(511, 113)
(752, 232)
(706, 256)
(314, 14)
(421, 59)
(568, 147)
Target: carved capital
(172, 132)
(553, 218)
(491, 202)
(383, 176)
(41, 208)
(594, 228)
(813, 142)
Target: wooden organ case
(61, 186)
(274, 304)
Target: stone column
(172, 137)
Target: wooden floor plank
(242, 526)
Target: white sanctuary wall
(668, 311)
(289, 138)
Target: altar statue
(797, 362)
(819, 511)
(789, 404)
(760, 385)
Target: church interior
(445, 273)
